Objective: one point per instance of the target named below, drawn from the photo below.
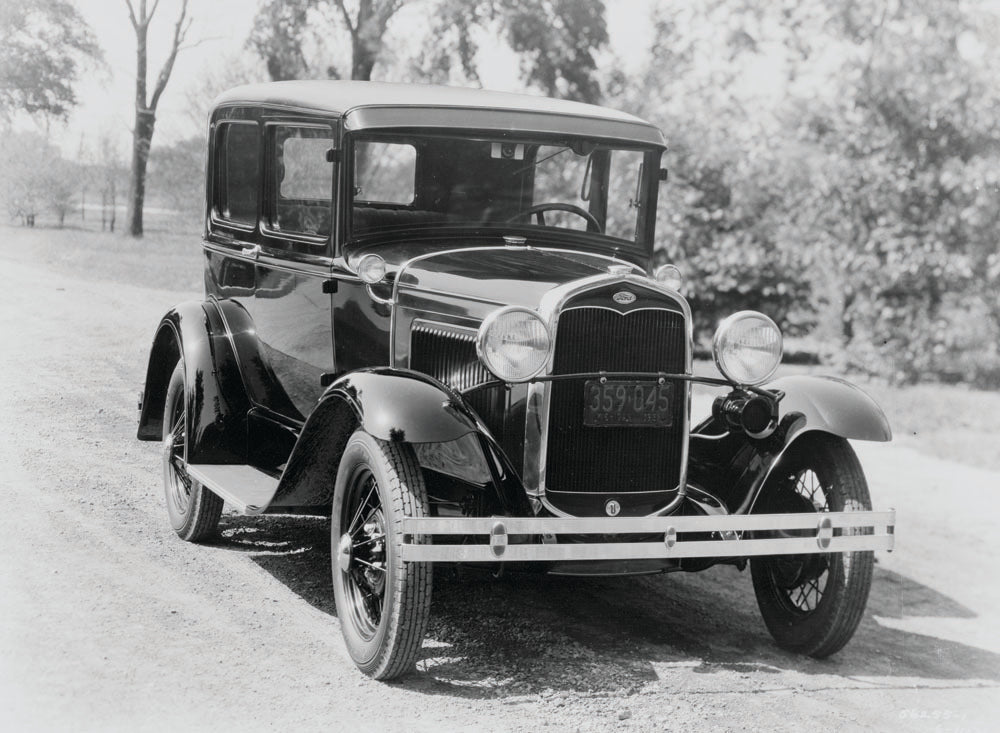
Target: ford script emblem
(613, 508)
(623, 297)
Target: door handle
(251, 252)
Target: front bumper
(517, 539)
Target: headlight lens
(513, 343)
(371, 269)
(747, 347)
(668, 275)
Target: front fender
(735, 467)
(404, 406)
(216, 401)
(834, 406)
(398, 405)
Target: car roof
(367, 105)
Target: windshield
(416, 181)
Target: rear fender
(735, 467)
(216, 401)
(397, 405)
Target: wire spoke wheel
(383, 603)
(193, 510)
(176, 479)
(362, 551)
(813, 603)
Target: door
(292, 304)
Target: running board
(247, 489)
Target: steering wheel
(539, 211)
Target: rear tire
(193, 510)
(383, 603)
(812, 604)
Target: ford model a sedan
(431, 313)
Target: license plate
(615, 404)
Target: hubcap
(344, 552)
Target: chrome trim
(727, 541)
(487, 323)
(320, 267)
(381, 301)
(445, 293)
(456, 330)
(648, 525)
(540, 393)
(726, 324)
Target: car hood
(502, 275)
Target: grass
(947, 421)
(162, 260)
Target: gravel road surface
(109, 622)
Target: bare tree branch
(203, 39)
(131, 14)
(181, 28)
(347, 18)
(156, 4)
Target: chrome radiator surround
(540, 392)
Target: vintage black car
(431, 313)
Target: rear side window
(303, 185)
(238, 173)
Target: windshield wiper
(539, 161)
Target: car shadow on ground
(523, 634)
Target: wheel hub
(344, 548)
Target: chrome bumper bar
(808, 534)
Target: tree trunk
(142, 138)
(364, 42)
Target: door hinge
(332, 155)
(329, 286)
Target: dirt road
(109, 622)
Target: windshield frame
(648, 185)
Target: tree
(281, 33)
(45, 43)
(178, 176)
(556, 39)
(110, 169)
(862, 173)
(145, 107)
(37, 178)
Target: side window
(237, 180)
(384, 173)
(625, 174)
(303, 185)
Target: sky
(218, 33)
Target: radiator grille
(448, 354)
(614, 460)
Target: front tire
(812, 604)
(193, 510)
(383, 603)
